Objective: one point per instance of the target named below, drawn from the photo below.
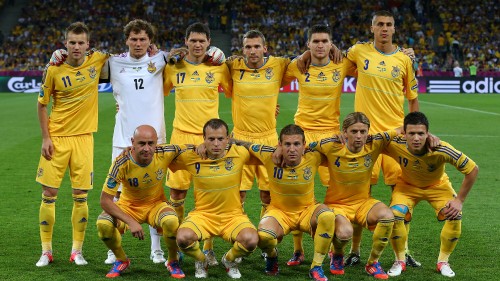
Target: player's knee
(267, 239)
(400, 212)
(327, 219)
(385, 214)
(249, 238)
(343, 228)
(105, 227)
(169, 222)
(185, 238)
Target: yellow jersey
(216, 182)
(255, 94)
(291, 188)
(384, 80)
(350, 172)
(196, 93)
(141, 184)
(74, 95)
(428, 169)
(319, 94)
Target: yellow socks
(169, 224)
(380, 238)
(323, 236)
(47, 218)
(110, 235)
(450, 233)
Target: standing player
(141, 173)
(67, 136)
(318, 109)
(137, 87)
(423, 177)
(196, 101)
(256, 84)
(293, 205)
(217, 206)
(385, 78)
(350, 168)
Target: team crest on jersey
(195, 76)
(159, 174)
(151, 67)
(368, 160)
(292, 175)
(269, 73)
(336, 76)
(111, 183)
(321, 77)
(255, 148)
(210, 77)
(39, 173)
(395, 71)
(229, 164)
(137, 68)
(92, 72)
(307, 173)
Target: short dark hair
(319, 28)
(353, 118)
(136, 26)
(292, 129)
(255, 34)
(381, 13)
(78, 28)
(198, 27)
(215, 124)
(416, 118)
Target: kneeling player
(217, 210)
(141, 173)
(423, 177)
(293, 206)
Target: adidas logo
(44, 223)
(83, 220)
(325, 235)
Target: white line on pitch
(462, 108)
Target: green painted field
(469, 122)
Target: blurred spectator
(457, 70)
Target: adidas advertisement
(468, 85)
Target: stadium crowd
(435, 29)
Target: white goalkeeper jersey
(138, 90)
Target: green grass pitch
(469, 122)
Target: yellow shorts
(145, 213)
(181, 179)
(75, 152)
(390, 169)
(356, 213)
(408, 195)
(209, 225)
(292, 221)
(255, 171)
(316, 136)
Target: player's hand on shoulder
(278, 157)
(58, 57)
(303, 61)
(409, 52)
(336, 54)
(215, 56)
(201, 150)
(234, 58)
(176, 55)
(153, 50)
(432, 142)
